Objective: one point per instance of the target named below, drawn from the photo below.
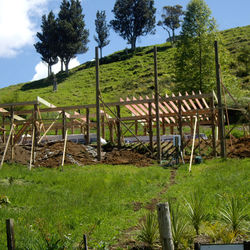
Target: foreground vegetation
(53, 208)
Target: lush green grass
(121, 74)
(214, 182)
(77, 201)
(98, 200)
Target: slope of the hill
(122, 74)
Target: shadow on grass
(46, 82)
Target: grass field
(52, 208)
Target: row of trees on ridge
(65, 36)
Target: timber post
(150, 126)
(165, 226)
(63, 124)
(158, 136)
(12, 134)
(3, 127)
(220, 106)
(98, 133)
(87, 127)
(180, 123)
(10, 234)
(213, 124)
(118, 122)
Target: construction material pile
(50, 155)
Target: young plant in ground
(178, 225)
(233, 213)
(149, 233)
(196, 210)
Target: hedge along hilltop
(124, 73)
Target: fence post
(85, 242)
(10, 234)
(165, 226)
(87, 127)
(118, 122)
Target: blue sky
(19, 62)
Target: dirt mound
(240, 147)
(116, 157)
(50, 155)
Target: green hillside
(124, 74)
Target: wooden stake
(63, 124)
(7, 144)
(220, 107)
(10, 234)
(32, 149)
(213, 125)
(192, 151)
(165, 226)
(98, 134)
(64, 147)
(158, 136)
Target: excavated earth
(50, 155)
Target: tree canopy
(72, 35)
(47, 45)
(102, 30)
(171, 19)
(133, 18)
(194, 61)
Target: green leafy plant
(178, 225)
(149, 233)
(196, 210)
(233, 213)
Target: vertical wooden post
(87, 127)
(12, 134)
(171, 130)
(103, 126)
(220, 106)
(118, 122)
(111, 132)
(180, 123)
(213, 124)
(163, 126)
(158, 136)
(85, 242)
(10, 234)
(63, 124)
(98, 134)
(165, 226)
(35, 124)
(136, 127)
(150, 127)
(198, 131)
(3, 126)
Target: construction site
(171, 129)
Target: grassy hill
(122, 74)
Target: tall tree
(133, 18)
(47, 46)
(102, 30)
(171, 19)
(73, 37)
(194, 62)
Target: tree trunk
(133, 43)
(61, 64)
(67, 66)
(173, 34)
(101, 51)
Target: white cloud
(42, 68)
(17, 29)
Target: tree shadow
(46, 82)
